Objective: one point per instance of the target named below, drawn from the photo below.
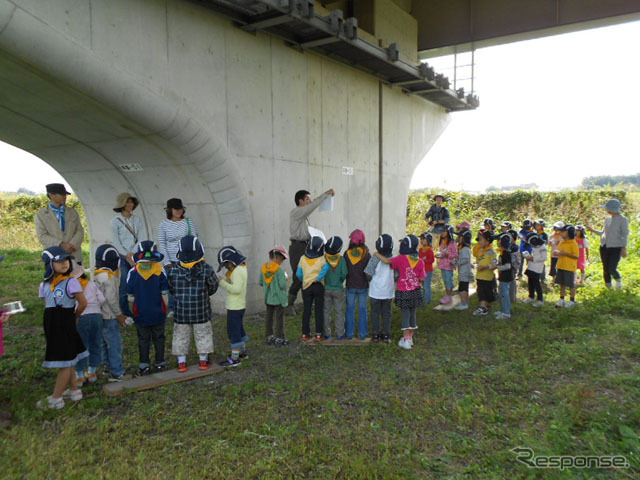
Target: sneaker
(281, 342)
(403, 344)
(160, 368)
(306, 338)
(376, 338)
(569, 303)
(327, 337)
(560, 303)
(618, 284)
(446, 300)
(271, 340)
(144, 371)
(502, 315)
(538, 303)
(362, 337)
(230, 362)
(340, 337)
(244, 355)
(319, 338)
(386, 338)
(50, 402)
(204, 365)
(73, 395)
(481, 311)
(461, 306)
(91, 377)
(119, 378)
(182, 367)
(80, 382)
(528, 300)
(497, 313)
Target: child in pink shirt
(447, 262)
(408, 292)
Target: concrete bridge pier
(166, 99)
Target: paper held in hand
(327, 205)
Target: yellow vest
(311, 268)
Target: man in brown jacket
(59, 225)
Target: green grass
(563, 382)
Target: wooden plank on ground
(158, 379)
(454, 302)
(345, 342)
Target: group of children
(82, 317)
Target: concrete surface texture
(233, 123)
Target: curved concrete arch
(132, 117)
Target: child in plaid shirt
(192, 281)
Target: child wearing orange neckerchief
(357, 257)
(274, 280)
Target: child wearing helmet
(554, 241)
(535, 269)
(505, 276)
(486, 263)
(235, 284)
(106, 276)
(273, 279)
(334, 297)
(148, 291)
(312, 269)
(527, 226)
(381, 290)
(516, 262)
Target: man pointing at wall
(299, 234)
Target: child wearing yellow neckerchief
(334, 287)
(357, 258)
(273, 279)
(191, 282)
(311, 272)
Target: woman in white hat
(613, 241)
(126, 232)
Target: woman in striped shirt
(170, 231)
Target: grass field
(562, 382)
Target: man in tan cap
(58, 225)
(126, 232)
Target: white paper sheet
(327, 205)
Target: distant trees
(592, 183)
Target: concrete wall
(231, 122)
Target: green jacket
(334, 280)
(276, 292)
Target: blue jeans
(360, 295)
(235, 329)
(124, 302)
(112, 347)
(447, 278)
(426, 283)
(505, 298)
(90, 330)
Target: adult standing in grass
(438, 217)
(299, 235)
(613, 241)
(58, 225)
(126, 230)
(170, 232)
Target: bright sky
(552, 111)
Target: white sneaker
(497, 313)
(502, 315)
(528, 300)
(560, 303)
(50, 402)
(410, 341)
(480, 312)
(461, 306)
(618, 284)
(73, 395)
(403, 344)
(538, 303)
(569, 304)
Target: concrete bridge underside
(233, 123)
